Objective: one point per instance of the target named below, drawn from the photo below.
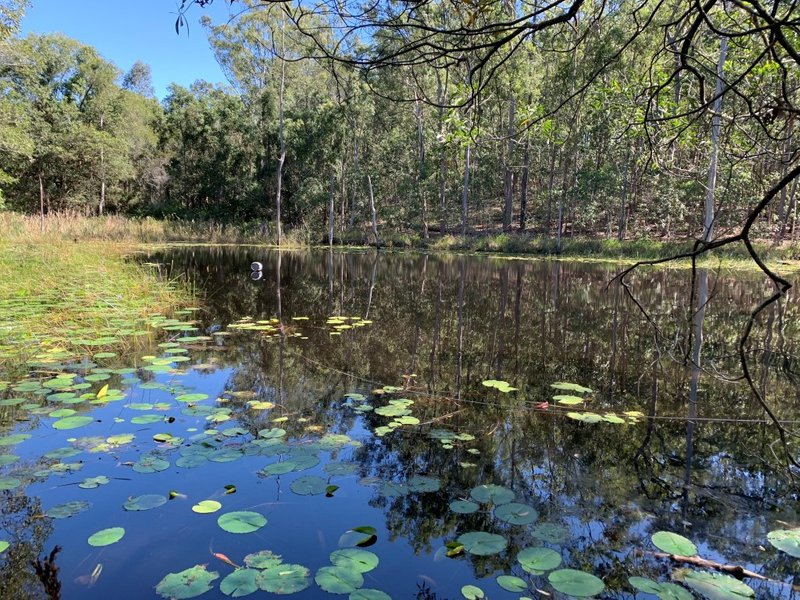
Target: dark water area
(364, 375)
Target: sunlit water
(301, 383)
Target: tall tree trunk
(282, 142)
(102, 174)
(708, 221)
(623, 199)
(374, 213)
(440, 100)
(508, 183)
(523, 187)
(421, 171)
(330, 212)
(465, 192)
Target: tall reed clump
(65, 295)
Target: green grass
(59, 297)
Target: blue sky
(126, 30)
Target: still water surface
(366, 372)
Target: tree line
(586, 128)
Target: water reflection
(702, 463)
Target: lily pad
(472, 592)
(482, 543)
(463, 507)
(72, 422)
(576, 583)
(512, 584)
(492, 494)
(369, 594)
(189, 583)
(263, 559)
(284, 579)
(714, 586)
(538, 560)
(3, 546)
(362, 536)
(339, 580)
(310, 485)
(516, 513)
(242, 521)
(144, 502)
(672, 543)
(106, 537)
(421, 483)
(786, 540)
(9, 483)
(241, 582)
(68, 509)
(150, 463)
(355, 559)
(205, 507)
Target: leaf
(482, 543)
(786, 540)
(472, 592)
(284, 579)
(339, 580)
(68, 509)
(241, 582)
(3, 546)
(516, 513)
(420, 483)
(643, 584)
(538, 560)
(106, 537)
(205, 507)
(570, 387)
(714, 586)
(263, 559)
(463, 507)
(354, 558)
(241, 521)
(368, 594)
(188, 583)
(501, 386)
(672, 543)
(103, 391)
(310, 485)
(145, 502)
(492, 494)
(511, 583)
(363, 536)
(72, 422)
(150, 463)
(576, 583)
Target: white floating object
(256, 275)
(256, 266)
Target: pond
(410, 427)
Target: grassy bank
(72, 227)
(62, 300)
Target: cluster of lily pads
(275, 328)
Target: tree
(139, 80)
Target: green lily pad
(570, 387)
(538, 560)
(552, 533)
(355, 559)
(482, 543)
(284, 579)
(205, 507)
(241, 582)
(516, 513)
(786, 540)
(189, 583)
(150, 463)
(576, 583)
(92, 482)
(463, 507)
(144, 502)
(189, 398)
(68, 509)
(369, 594)
(310, 485)
(714, 586)
(106, 537)
(492, 494)
(339, 580)
(672, 543)
(361, 536)
(472, 592)
(3, 546)
(511, 583)
(241, 521)
(72, 422)
(8, 459)
(643, 584)
(9, 483)
(421, 483)
(263, 559)
(672, 591)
